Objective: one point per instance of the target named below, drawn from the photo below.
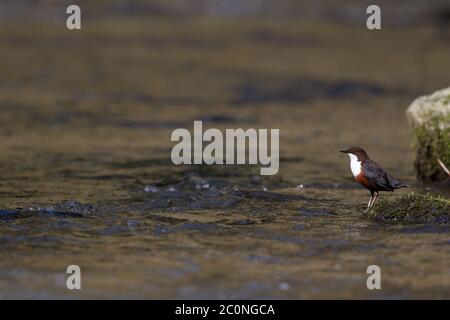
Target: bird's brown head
(358, 152)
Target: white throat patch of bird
(355, 165)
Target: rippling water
(86, 176)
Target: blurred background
(86, 117)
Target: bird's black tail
(399, 184)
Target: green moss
(412, 208)
(432, 141)
(447, 99)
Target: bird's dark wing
(377, 177)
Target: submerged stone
(412, 208)
(73, 206)
(66, 208)
(430, 118)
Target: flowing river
(86, 176)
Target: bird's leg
(369, 205)
(375, 199)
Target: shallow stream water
(86, 177)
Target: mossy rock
(412, 208)
(430, 118)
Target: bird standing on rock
(371, 175)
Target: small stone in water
(202, 185)
(152, 189)
(72, 206)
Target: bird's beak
(343, 151)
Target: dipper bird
(371, 175)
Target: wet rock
(195, 191)
(66, 208)
(412, 209)
(73, 206)
(188, 195)
(430, 118)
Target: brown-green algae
(412, 208)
